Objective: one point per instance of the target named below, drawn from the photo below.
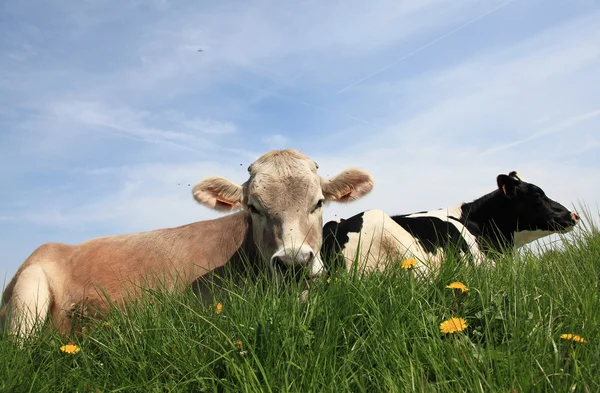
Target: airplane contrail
(424, 46)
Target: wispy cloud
(425, 46)
(130, 124)
(276, 141)
(565, 126)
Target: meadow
(529, 324)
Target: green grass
(379, 334)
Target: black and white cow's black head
(520, 211)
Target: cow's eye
(252, 209)
(319, 204)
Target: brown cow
(281, 220)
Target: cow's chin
(566, 229)
(563, 227)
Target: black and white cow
(514, 214)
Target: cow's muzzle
(575, 217)
(566, 223)
(297, 262)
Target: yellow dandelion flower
(458, 285)
(239, 344)
(408, 263)
(573, 337)
(453, 325)
(71, 349)
(328, 280)
(107, 325)
(219, 308)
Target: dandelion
(408, 263)
(107, 325)
(219, 308)
(453, 325)
(239, 344)
(573, 337)
(71, 349)
(459, 286)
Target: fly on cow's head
(284, 198)
(535, 215)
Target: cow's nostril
(280, 265)
(575, 216)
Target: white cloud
(127, 123)
(210, 126)
(498, 97)
(276, 141)
(565, 125)
(142, 197)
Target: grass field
(379, 334)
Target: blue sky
(108, 111)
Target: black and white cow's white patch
(516, 213)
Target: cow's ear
(515, 175)
(347, 186)
(219, 193)
(507, 184)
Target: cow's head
(284, 198)
(532, 213)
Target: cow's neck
(490, 220)
(246, 257)
(231, 251)
(236, 243)
(217, 242)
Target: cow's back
(82, 279)
(375, 239)
(370, 238)
(435, 232)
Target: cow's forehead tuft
(282, 163)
